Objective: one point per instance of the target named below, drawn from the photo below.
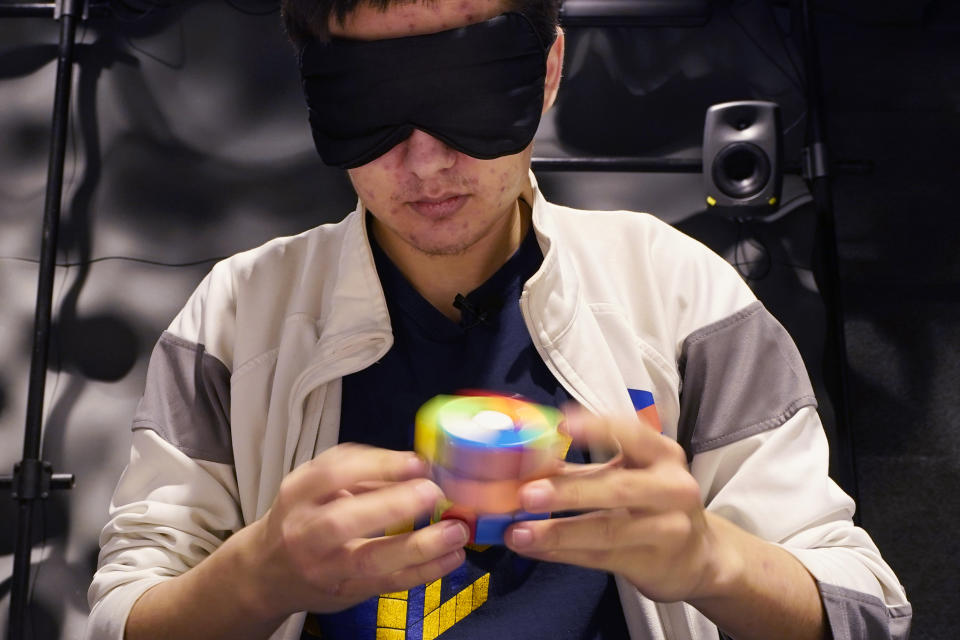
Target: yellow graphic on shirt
(437, 616)
(392, 616)
(393, 608)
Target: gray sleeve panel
(854, 615)
(859, 616)
(187, 400)
(741, 376)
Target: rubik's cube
(481, 449)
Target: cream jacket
(245, 385)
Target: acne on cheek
(504, 181)
(367, 194)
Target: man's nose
(424, 155)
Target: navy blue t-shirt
(495, 594)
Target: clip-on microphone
(480, 314)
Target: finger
(348, 466)
(389, 554)
(540, 462)
(369, 485)
(356, 589)
(321, 527)
(640, 445)
(654, 489)
(602, 559)
(599, 531)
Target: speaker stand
(33, 478)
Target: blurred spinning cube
(482, 448)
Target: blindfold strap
(478, 88)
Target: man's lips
(439, 207)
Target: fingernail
(455, 533)
(521, 536)
(456, 558)
(573, 422)
(428, 490)
(535, 496)
(415, 466)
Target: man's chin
(442, 250)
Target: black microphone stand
(33, 478)
(818, 172)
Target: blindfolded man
(246, 512)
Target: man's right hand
(321, 546)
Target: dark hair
(306, 19)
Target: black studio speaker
(742, 158)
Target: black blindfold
(479, 89)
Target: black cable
(801, 196)
(797, 82)
(783, 37)
(737, 242)
(124, 258)
(737, 252)
(799, 119)
(176, 66)
(73, 124)
(765, 260)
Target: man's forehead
(416, 17)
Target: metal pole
(32, 477)
(618, 163)
(637, 164)
(818, 171)
(634, 13)
(27, 9)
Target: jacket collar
(356, 309)
(356, 331)
(358, 306)
(560, 324)
(554, 290)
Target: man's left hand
(643, 519)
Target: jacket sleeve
(168, 512)
(749, 424)
(177, 499)
(775, 485)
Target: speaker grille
(741, 170)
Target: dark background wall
(189, 142)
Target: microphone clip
(476, 314)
